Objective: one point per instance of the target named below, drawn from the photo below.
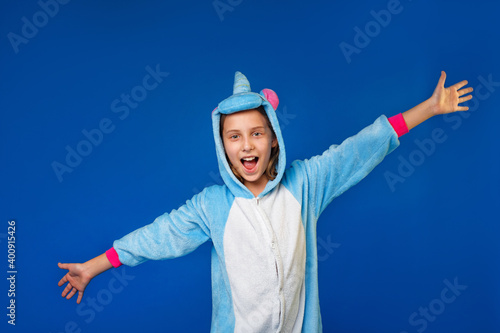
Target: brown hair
(271, 171)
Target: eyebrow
(251, 129)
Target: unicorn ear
(271, 97)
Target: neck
(257, 187)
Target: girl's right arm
(169, 236)
(79, 275)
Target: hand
(446, 100)
(77, 277)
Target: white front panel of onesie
(253, 265)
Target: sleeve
(171, 235)
(343, 166)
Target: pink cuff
(113, 257)
(399, 124)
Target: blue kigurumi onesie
(264, 254)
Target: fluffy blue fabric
(264, 255)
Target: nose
(247, 145)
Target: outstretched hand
(77, 277)
(446, 100)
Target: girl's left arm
(443, 100)
(342, 166)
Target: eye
(234, 137)
(257, 134)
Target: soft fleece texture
(264, 254)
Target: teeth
(248, 158)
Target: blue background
(391, 248)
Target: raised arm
(79, 275)
(443, 100)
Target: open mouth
(249, 163)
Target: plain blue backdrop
(389, 247)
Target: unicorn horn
(241, 83)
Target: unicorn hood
(244, 99)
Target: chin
(253, 178)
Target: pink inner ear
(271, 97)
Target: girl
(262, 222)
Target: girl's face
(248, 141)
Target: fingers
(62, 281)
(462, 108)
(464, 99)
(63, 266)
(80, 295)
(460, 84)
(442, 78)
(69, 291)
(65, 277)
(73, 292)
(66, 290)
(464, 91)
